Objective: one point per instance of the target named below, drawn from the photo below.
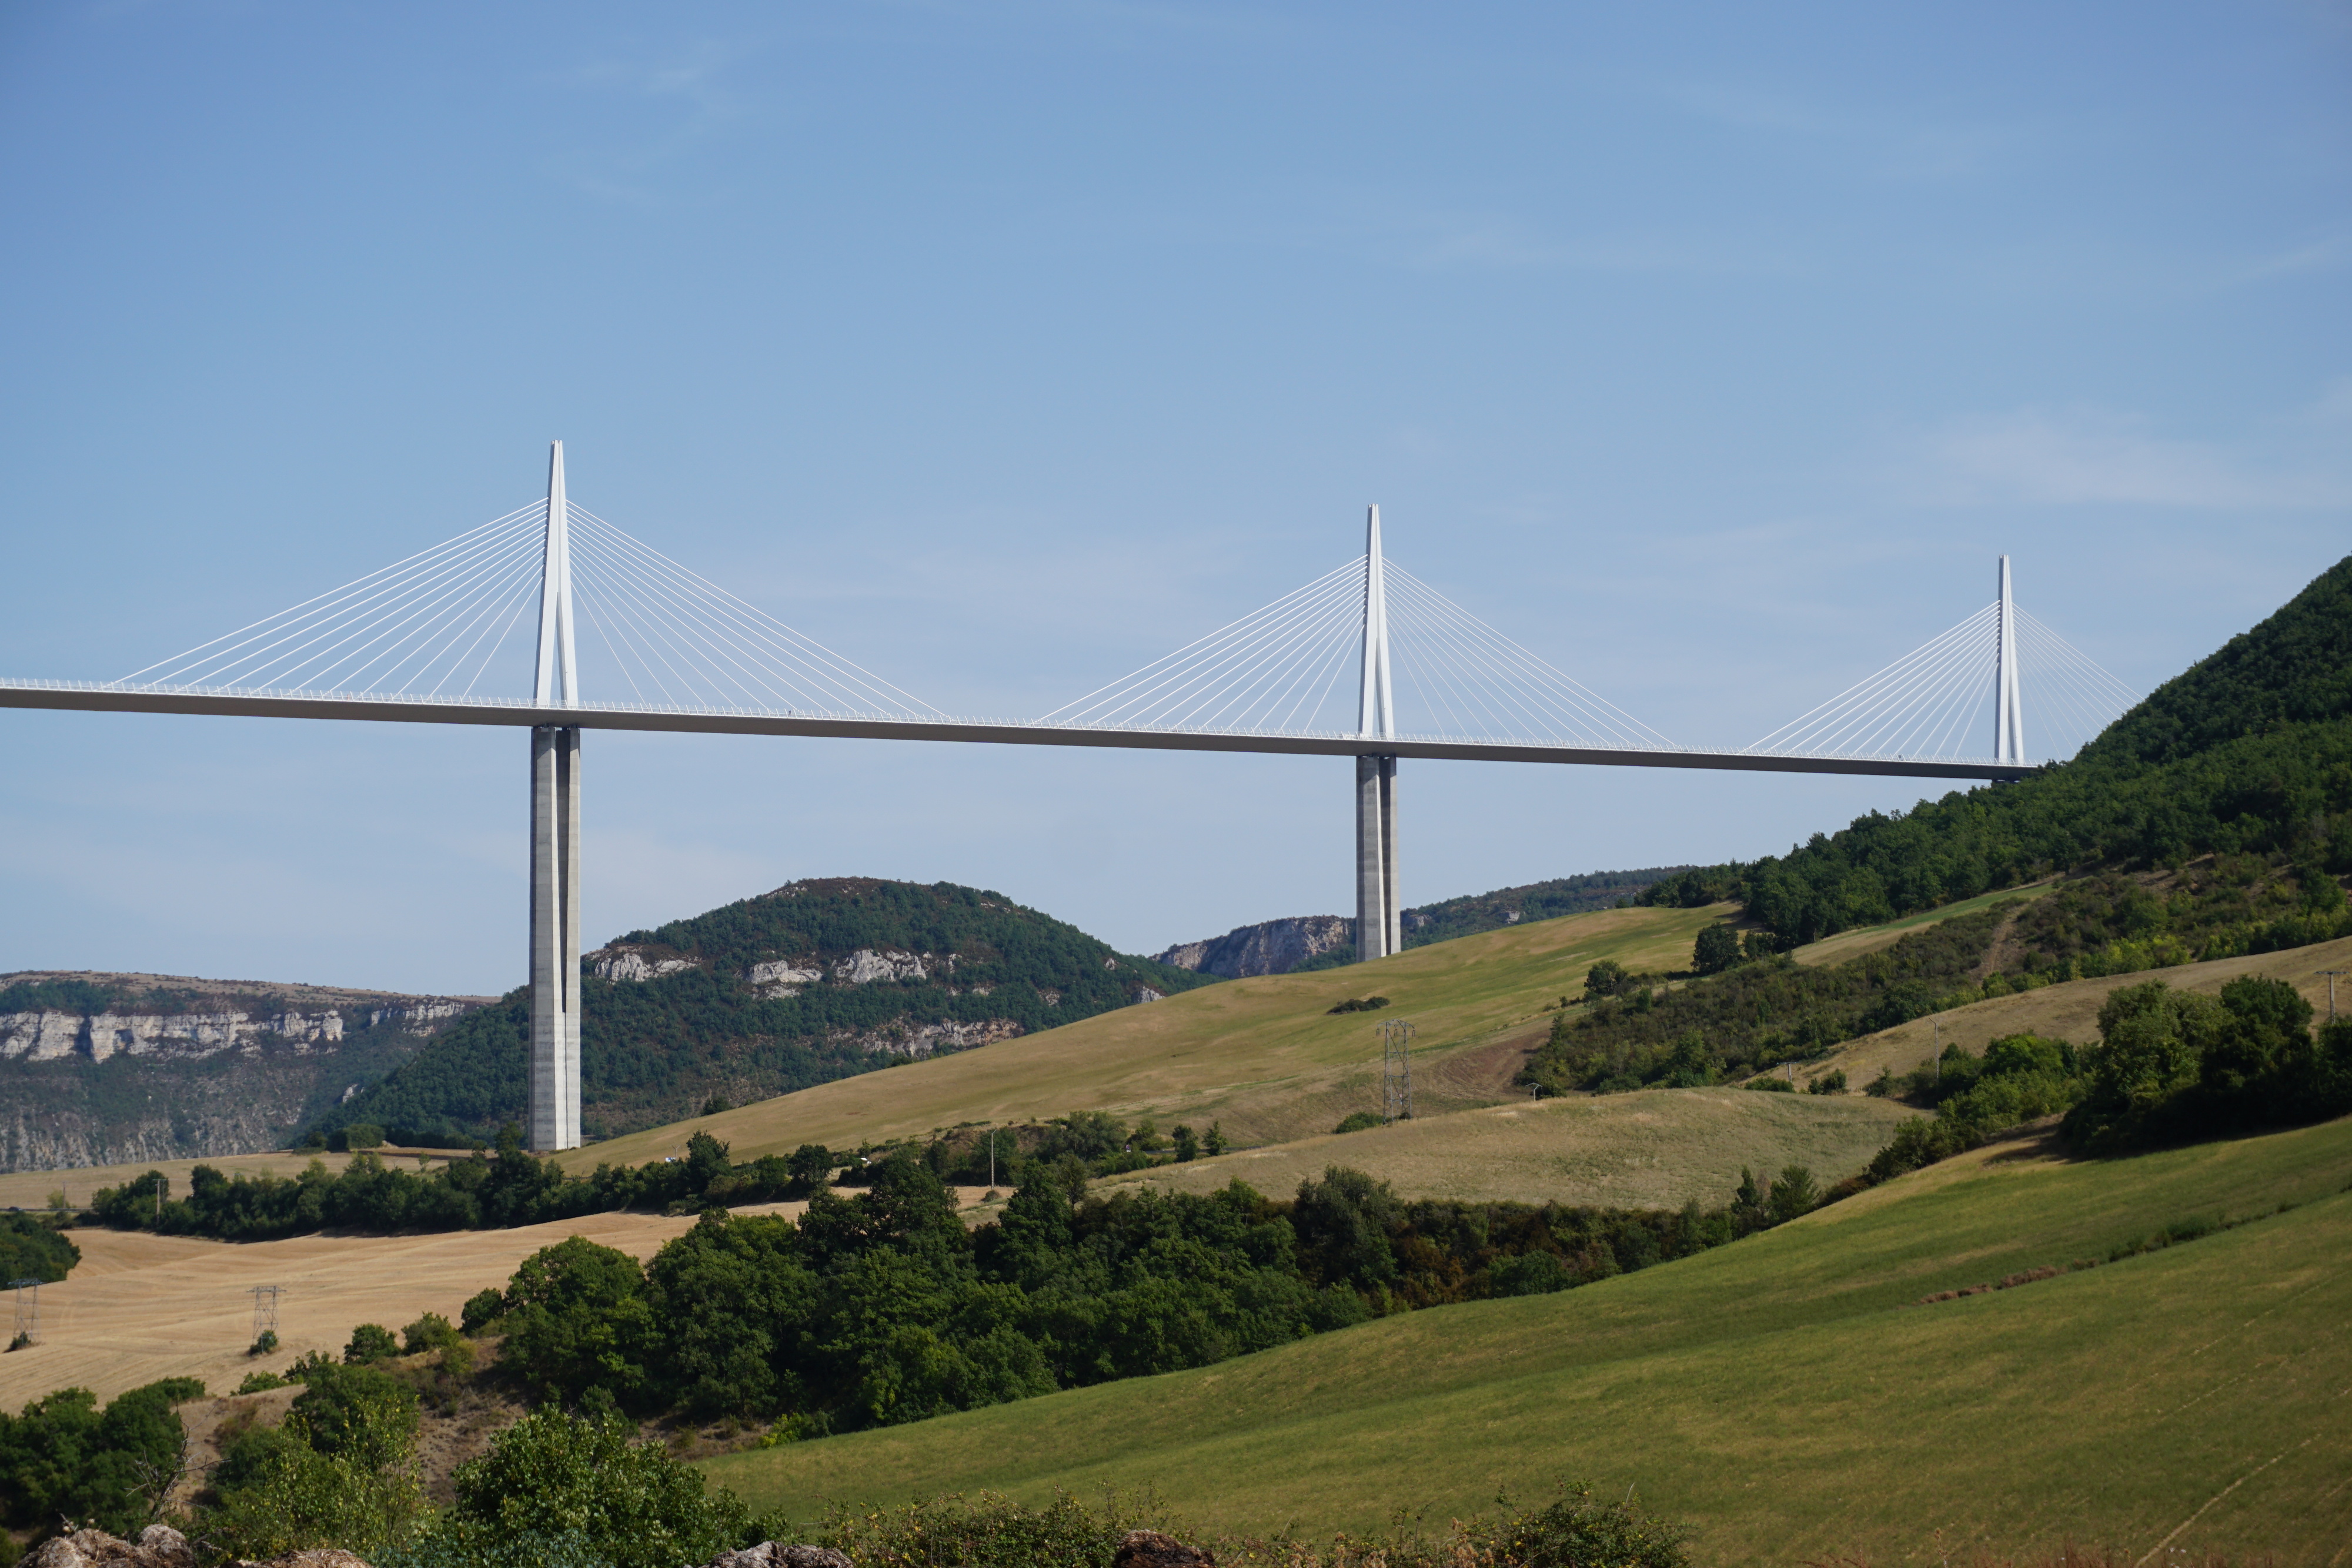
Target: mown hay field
(1262, 1056)
(1657, 1149)
(139, 1306)
(1787, 1395)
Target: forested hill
(2246, 756)
(814, 981)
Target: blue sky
(1714, 353)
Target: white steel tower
(1380, 916)
(555, 847)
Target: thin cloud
(2096, 457)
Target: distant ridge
(1319, 941)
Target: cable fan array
(1937, 701)
(460, 620)
(1292, 668)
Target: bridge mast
(555, 847)
(1380, 917)
(2009, 720)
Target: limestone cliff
(1269, 948)
(96, 1069)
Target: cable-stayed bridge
(451, 635)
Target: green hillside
(771, 995)
(2246, 758)
(1789, 1394)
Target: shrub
(260, 1383)
(31, 1249)
(988, 1530)
(1828, 1084)
(1717, 949)
(553, 1478)
(370, 1341)
(266, 1343)
(65, 1456)
(481, 1308)
(1770, 1085)
(577, 1319)
(1359, 1121)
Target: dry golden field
(1657, 1149)
(1260, 1056)
(138, 1307)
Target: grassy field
(1654, 1150)
(2071, 1011)
(1260, 1056)
(1863, 939)
(1785, 1394)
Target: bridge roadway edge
(403, 710)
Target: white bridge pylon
(1932, 701)
(437, 638)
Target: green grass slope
(1654, 1150)
(1785, 1394)
(1262, 1056)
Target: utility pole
(555, 846)
(2331, 975)
(1396, 1070)
(1380, 917)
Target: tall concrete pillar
(554, 938)
(1380, 917)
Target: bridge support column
(1380, 916)
(554, 938)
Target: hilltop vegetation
(2246, 756)
(767, 996)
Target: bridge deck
(96, 698)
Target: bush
(482, 1309)
(260, 1383)
(266, 1343)
(988, 1530)
(1770, 1085)
(65, 1458)
(1359, 1122)
(1828, 1084)
(553, 1478)
(370, 1341)
(1717, 949)
(31, 1249)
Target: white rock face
(780, 978)
(628, 964)
(865, 965)
(930, 1039)
(186, 1037)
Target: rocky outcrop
(158, 1546)
(1150, 1548)
(635, 964)
(1269, 948)
(781, 1555)
(916, 1041)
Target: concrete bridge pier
(1380, 916)
(554, 938)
